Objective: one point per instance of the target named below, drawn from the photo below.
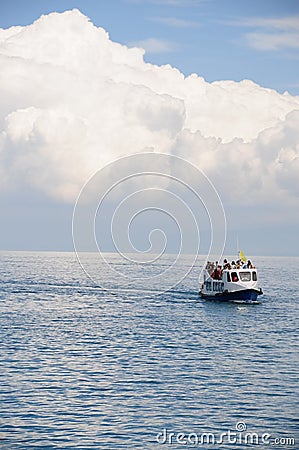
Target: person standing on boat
(219, 273)
(226, 265)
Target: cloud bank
(72, 100)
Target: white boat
(231, 283)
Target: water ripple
(80, 368)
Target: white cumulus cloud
(72, 100)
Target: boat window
(245, 276)
(208, 285)
(218, 286)
(228, 277)
(254, 277)
(235, 277)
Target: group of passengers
(215, 270)
(239, 264)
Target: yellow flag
(242, 256)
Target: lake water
(87, 369)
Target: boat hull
(241, 296)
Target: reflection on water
(81, 368)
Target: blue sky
(217, 39)
(60, 119)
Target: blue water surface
(85, 368)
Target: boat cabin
(230, 282)
(228, 279)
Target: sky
(214, 82)
(217, 39)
